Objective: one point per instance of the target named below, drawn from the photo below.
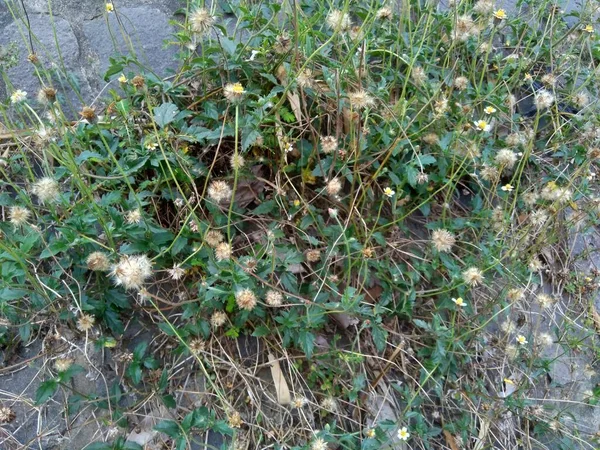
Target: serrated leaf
(261, 331)
(249, 138)
(379, 336)
(46, 390)
(307, 342)
(165, 114)
(265, 207)
(169, 427)
(88, 155)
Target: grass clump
(377, 202)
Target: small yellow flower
(403, 434)
(388, 192)
(482, 125)
(490, 110)
(296, 203)
(521, 340)
(500, 14)
(459, 302)
(123, 79)
(589, 29)
(528, 77)
(508, 188)
(110, 7)
(237, 88)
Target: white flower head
(18, 96)
(403, 434)
(338, 20)
(176, 273)
(132, 271)
(46, 190)
(133, 216)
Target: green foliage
(373, 204)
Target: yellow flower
(388, 192)
(589, 29)
(521, 340)
(123, 79)
(500, 14)
(459, 302)
(489, 110)
(528, 77)
(507, 188)
(237, 88)
(296, 203)
(110, 7)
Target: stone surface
(65, 72)
(140, 31)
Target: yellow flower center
(237, 88)
(500, 14)
(110, 7)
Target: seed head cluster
(132, 271)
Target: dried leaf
(247, 192)
(484, 428)
(283, 392)
(344, 320)
(595, 318)
(146, 431)
(294, 100)
(450, 440)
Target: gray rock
(58, 50)
(139, 31)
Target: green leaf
(8, 294)
(99, 446)
(169, 401)
(70, 373)
(54, 248)
(169, 427)
(379, 336)
(261, 331)
(307, 342)
(165, 114)
(46, 390)
(87, 155)
(249, 138)
(265, 207)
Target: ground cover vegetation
(380, 198)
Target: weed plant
(380, 197)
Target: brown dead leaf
(283, 392)
(248, 191)
(450, 440)
(344, 320)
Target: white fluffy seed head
(132, 271)
(98, 261)
(18, 215)
(46, 190)
(506, 158)
(245, 299)
(442, 240)
(219, 191)
(472, 276)
(274, 298)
